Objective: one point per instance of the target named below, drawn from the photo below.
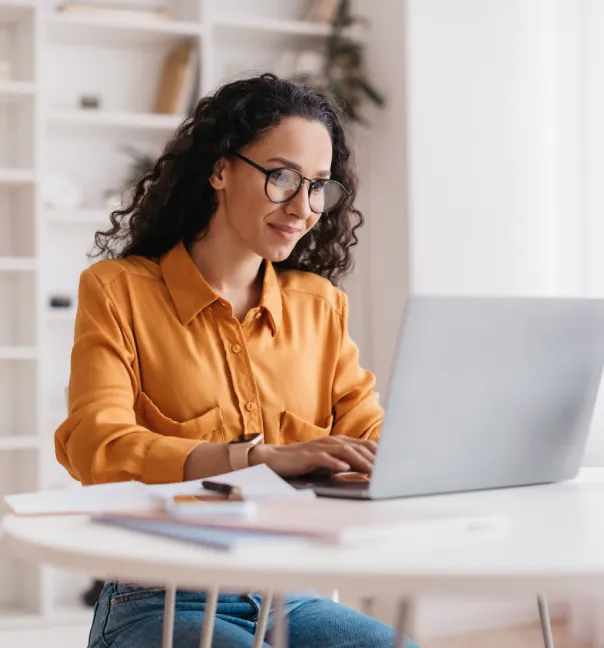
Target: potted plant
(342, 72)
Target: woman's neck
(232, 270)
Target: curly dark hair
(174, 201)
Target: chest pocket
(209, 426)
(294, 429)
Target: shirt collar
(191, 293)
(271, 296)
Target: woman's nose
(300, 203)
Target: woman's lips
(286, 231)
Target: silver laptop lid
(489, 392)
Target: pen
(217, 487)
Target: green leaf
(372, 93)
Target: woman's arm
(357, 411)
(100, 441)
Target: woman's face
(268, 229)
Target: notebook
(212, 538)
(318, 520)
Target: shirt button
(258, 315)
(250, 406)
(236, 348)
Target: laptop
(485, 393)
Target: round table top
(539, 538)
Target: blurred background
(479, 140)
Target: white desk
(551, 541)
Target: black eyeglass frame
(269, 172)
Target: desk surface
(550, 539)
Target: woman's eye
(318, 185)
(281, 177)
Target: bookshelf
(56, 59)
(118, 120)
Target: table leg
(546, 627)
(207, 631)
(169, 606)
(265, 609)
(279, 631)
(403, 622)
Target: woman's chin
(275, 254)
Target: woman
(214, 320)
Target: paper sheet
(257, 482)
(125, 496)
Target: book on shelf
(322, 11)
(177, 82)
(119, 10)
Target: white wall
(480, 146)
(591, 262)
(386, 212)
(492, 170)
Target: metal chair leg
(279, 631)
(265, 609)
(546, 626)
(209, 616)
(169, 606)
(405, 611)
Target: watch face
(246, 439)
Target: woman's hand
(330, 454)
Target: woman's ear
(217, 179)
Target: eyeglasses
(283, 184)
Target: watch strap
(239, 453)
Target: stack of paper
(257, 482)
(272, 511)
(327, 521)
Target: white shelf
(16, 90)
(19, 443)
(66, 315)
(18, 264)
(18, 353)
(285, 27)
(17, 176)
(76, 29)
(17, 619)
(78, 216)
(106, 119)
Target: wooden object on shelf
(322, 11)
(177, 80)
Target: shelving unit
(16, 90)
(19, 443)
(105, 119)
(271, 26)
(57, 58)
(14, 352)
(12, 177)
(18, 264)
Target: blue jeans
(129, 616)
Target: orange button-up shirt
(160, 365)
